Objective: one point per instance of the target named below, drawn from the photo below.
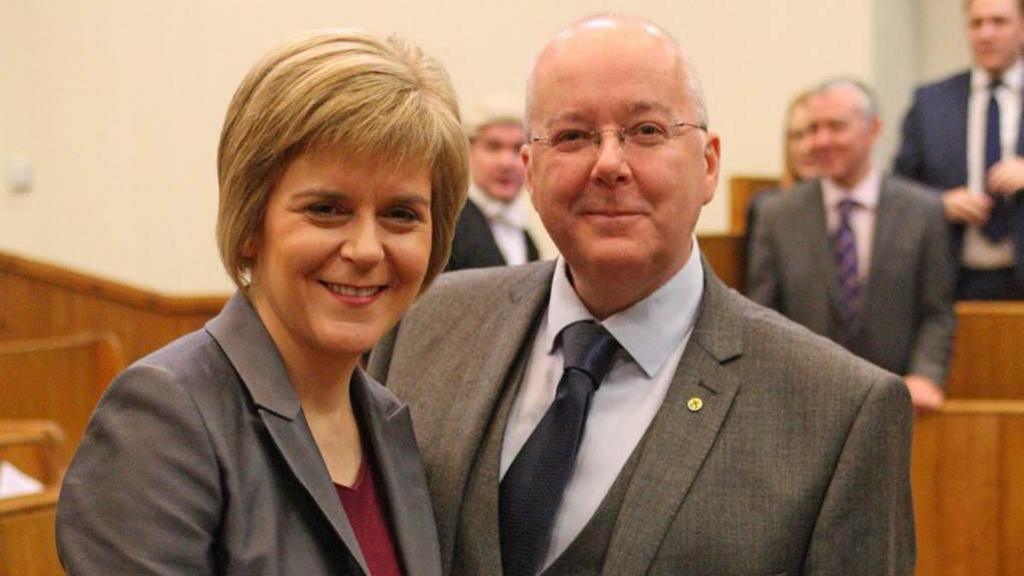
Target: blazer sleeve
(934, 339)
(866, 522)
(762, 274)
(909, 161)
(142, 493)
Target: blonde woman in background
(798, 162)
(257, 445)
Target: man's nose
(610, 165)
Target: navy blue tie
(998, 225)
(531, 490)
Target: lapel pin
(694, 404)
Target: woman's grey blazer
(199, 460)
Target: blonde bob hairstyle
(345, 92)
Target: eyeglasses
(641, 135)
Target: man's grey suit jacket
(198, 460)
(906, 321)
(797, 462)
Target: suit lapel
(818, 246)
(888, 216)
(245, 341)
(387, 429)
(957, 127)
(681, 435)
(451, 423)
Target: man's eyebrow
(572, 116)
(645, 106)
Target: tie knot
(846, 206)
(994, 83)
(588, 347)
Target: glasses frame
(597, 136)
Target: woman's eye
(403, 214)
(324, 210)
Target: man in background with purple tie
(963, 137)
(857, 256)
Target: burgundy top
(369, 519)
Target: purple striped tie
(844, 252)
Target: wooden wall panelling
(59, 379)
(742, 190)
(968, 483)
(988, 353)
(28, 544)
(43, 300)
(725, 254)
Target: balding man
(858, 256)
(619, 411)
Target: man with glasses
(856, 256)
(619, 411)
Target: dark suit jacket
(474, 246)
(906, 320)
(797, 463)
(198, 460)
(934, 150)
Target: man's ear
(524, 154)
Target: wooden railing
(59, 379)
(41, 300)
(36, 447)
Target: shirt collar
(865, 193)
(1013, 78)
(512, 213)
(644, 330)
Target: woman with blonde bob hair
(257, 445)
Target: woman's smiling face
(342, 252)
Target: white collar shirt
(653, 334)
(978, 251)
(862, 219)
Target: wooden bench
(59, 379)
(36, 447)
(28, 545)
(967, 473)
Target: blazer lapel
(387, 428)
(681, 434)
(245, 341)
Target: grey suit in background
(207, 466)
(906, 320)
(796, 462)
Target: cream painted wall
(118, 103)
(943, 44)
